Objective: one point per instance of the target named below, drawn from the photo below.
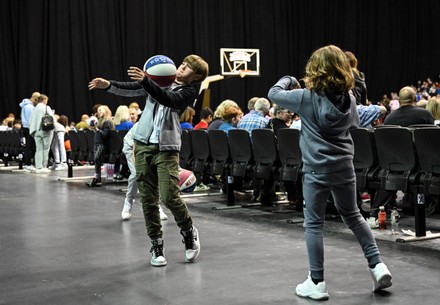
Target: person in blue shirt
(231, 117)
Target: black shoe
(95, 182)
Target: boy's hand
(136, 74)
(99, 83)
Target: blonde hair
(106, 117)
(328, 70)
(122, 115)
(221, 108)
(433, 106)
(198, 65)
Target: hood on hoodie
(25, 102)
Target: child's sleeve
(283, 94)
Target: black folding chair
(219, 147)
(201, 152)
(265, 150)
(242, 158)
(185, 153)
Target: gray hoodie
(325, 142)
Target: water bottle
(394, 222)
(382, 218)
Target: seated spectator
(368, 115)
(408, 113)
(134, 114)
(83, 124)
(433, 106)
(186, 118)
(281, 119)
(122, 118)
(296, 121)
(136, 107)
(251, 106)
(257, 119)
(218, 113)
(231, 117)
(394, 103)
(205, 119)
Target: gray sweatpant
(342, 186)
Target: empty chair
(265, 153)
(201, 153)
(289, 153)
(241, 153)
(219, 147)
(185, 153)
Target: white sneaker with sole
(163, 216)
(308, 289)
(43, 170)
(381, 277)
(192, 244)
(126, 212)
(157, 254)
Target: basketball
(160, 69)
(187, 180)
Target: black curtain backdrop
(57, 46)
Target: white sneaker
(201, 187)
(29, 168)
(43, 170)
(126, 212)
(163, 216)
(373, 222)
(61, 167)
(157, 254)
(308, 289)
(192, 244)
(381, 277)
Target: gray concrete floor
(64, 243)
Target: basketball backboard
(240, 62)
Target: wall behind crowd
(56, 47)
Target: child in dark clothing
(102, 129)
(328, 112)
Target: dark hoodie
(360, 88)
(325, 141)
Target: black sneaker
(192, 244)
(95, 182)
(157, 254)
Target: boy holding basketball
(156, 148)
(328, 112)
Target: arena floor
(64, 243)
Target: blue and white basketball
(161, 69)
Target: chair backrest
(200, 149)
(427, 143)
(185, 150)
(90, 143)
(396, 155)
(114, 147)
(240, 147)
(219, 147)
(83, 146)
(74, 145)
(365, 155)
(265, 150)
(289, 153)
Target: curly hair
(328, 70)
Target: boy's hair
(328, 70)
(352, 60)
(433, 106)
(205, 113)
(230, 113)
(198, 65)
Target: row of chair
(82, 147)
(262, 154)
(10, 146)
(399, 158)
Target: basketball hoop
(243, 73)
